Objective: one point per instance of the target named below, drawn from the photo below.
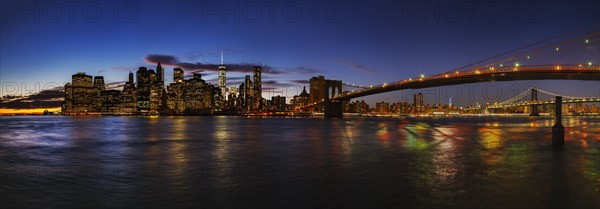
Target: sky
(42, 43)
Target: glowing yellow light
(557, 48)
(587, 41)
(528, 57)
(501, 65)
(590, 63)
(516, 64)
(557, 67)
(371, 86)
(39, 111)
(446, 76)
(422, 75)
(410, 79)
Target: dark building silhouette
(257, 89)
(99, 86)
(382, 107)
(418, 103)
(278, 103)
(111, 102)
(300, 100)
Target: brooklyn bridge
(569, 56)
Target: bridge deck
(477, 75)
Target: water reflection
(278, 162)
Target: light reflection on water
(233, 162)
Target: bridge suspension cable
(564, 96)
(528, 92)
(518, 97)
(530, 52)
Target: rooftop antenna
(221, 57)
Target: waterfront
(238, 162)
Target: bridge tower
(534, 108)
(333, 109)
(558, 130)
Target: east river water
(238, 162)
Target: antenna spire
(221, 57)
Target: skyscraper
(79, 94)
(98, 88)
(177, 75)
(222, 80)
(418, 102)
(248, 93)
(130, 77)
(257, 88)
(128, 98)
(143, 90)
(160, 74)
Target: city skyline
(288, 56)
(299, 104)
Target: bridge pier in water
(534, 108)
(333, 109)
(558, 130)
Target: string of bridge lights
(528, 92)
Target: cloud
(276, 84)
(168, 60)
(244, 67)
(357, 66)
(46, 98)
(303, 70)
(300, 81)
(164, 59)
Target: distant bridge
(514, 102)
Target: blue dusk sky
(361, 42)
